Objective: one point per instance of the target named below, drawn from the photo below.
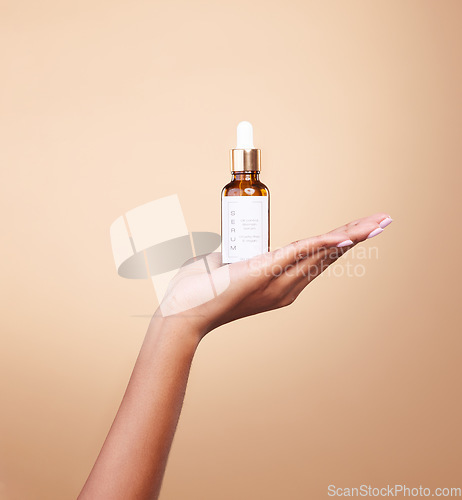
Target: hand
(208, 294)
(203, 295)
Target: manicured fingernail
(344, 243)
(385, 222)
(375, 232)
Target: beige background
(356, 105)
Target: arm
(133, 458)
(203, 296)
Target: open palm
(210, 294)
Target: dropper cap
(244, 136)
(245, 158)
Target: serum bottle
(244, 203)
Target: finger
(381, 219)
(366, 228)
(274, 263)
(344, 236)
(307, 269)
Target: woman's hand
(208, 294)
(203, 295)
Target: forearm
(133, 458)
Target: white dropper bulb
(244, 136)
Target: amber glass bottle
(244, 203)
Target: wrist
(187, 329)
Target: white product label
(244, 227)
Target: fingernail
(344, 243)
(385, 222)
(375, 232)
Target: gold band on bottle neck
(245, 160)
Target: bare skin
(203, 296)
